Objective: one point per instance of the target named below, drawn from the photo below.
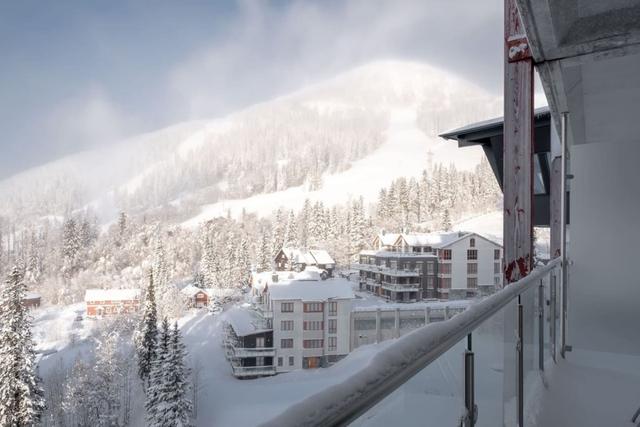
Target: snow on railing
(344, 402)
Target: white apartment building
(298, 321)
(311, 321)
(467, 263)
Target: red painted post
(518, 148)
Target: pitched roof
(244, 321)
(192, 290)
(321, 256)
(111, 294)
(387, 239)
(436, 240)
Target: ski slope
(406, 152)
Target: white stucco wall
(604, 285)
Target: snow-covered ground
(406, 153)
(227, 401)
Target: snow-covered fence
(344, 402)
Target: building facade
(302, 321)
(195, 297)
(398, 276)
(109, 302)
(409, 267)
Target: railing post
(552, 316)
(563, 236)
(541, 326)
(520, 351)
(469, 386)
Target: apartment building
(408, 267)
(398, 276)
(297, 321)
(468, 264)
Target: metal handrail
(343, 403)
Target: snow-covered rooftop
(244, 321)
(436, 240)
(309, 257)
(321, 256)
(111, 294)
(31, 295)
(388, 239)
(311, 290)
(191, 290)
(395, 254)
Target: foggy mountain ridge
(294, 141)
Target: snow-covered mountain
(341, 138)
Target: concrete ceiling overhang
(587, 53)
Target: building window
(472, 268)
(496, 268)
(496, 281)
(286, 343)
(313, 325)
(445, 268)
(286, 325)
(313, 343)
(430, 267)
(313, 307)
(333, 343)
(286, 307)
(472, 282)
(446, 254)
(333, 308)
(290, 360)
(445, 283)
(279, 361)
(496, 254)
(333, 326)
(472, 254)
(430, 282)
(472, 242)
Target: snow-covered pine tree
(382, 209)
(357, 228)
(446, 220)
(277, 232)
(160, 271)
(303, 223)
(158, 377)
(148, 334)
(21, 398)
(291, 231)
(229, 261)
(34, 265)
(70, 246)
(263, 261)
(207, 267)
(104, 393)
(176, 407)
(122, 224)
(243, 261)
(76, 401)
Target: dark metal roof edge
(495, 124)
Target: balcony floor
(590, 389)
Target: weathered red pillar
(518, 148)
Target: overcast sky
(78, 74)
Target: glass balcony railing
(482, 367)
